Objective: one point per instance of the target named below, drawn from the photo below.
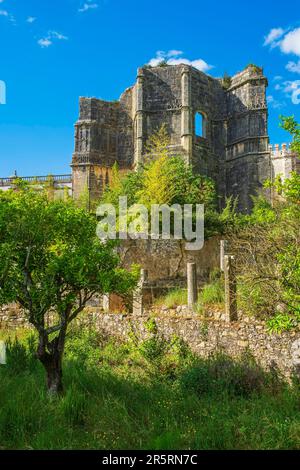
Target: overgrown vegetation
(173, 298)
(267, 244)
(226, 81)
(144, 395)
(212, 293)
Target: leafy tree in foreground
(52, 261)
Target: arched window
(200, 125)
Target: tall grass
(173, 299)
(210, 294)
(127, 396)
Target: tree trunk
(52, 362)
(53, 368)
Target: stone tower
(230, 144)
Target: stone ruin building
(219, 126)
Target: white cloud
(172, 58)
(287, 40)
(31, 19)
(7, 15)
(88, 6)
(174, 53)
(274, 103)
(273, 36)
(292, 89)
(293, 66)
(56, 35)
(44, 42)
(290, 44)
(48, 40)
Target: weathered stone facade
(204, 335)
(233, 147)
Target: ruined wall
(204, 335)
(283, 161)
(233, 150)
(103, 136)
(247, 154)
(167, 259)
(209, 335)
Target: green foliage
(151, 326)
(74, 407)
(173, 298)
(289, 124)
(221, 374)
(289, 188)
(51, 249)
(280, 322)
(51, 260)
(267, 245)
(163, 63)
(226, 81)
(212, 293)
(251, 299)
(20, 355)
(255, 67)
(121, 403)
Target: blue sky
(53, 51)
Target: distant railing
(36, 179)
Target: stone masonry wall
(204, 335)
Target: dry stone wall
(204, 335)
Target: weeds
(153, 395)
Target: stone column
(137, 306)
(186, 118)
(223, 252)
(230, 289)
(192, 284)
(139, 118)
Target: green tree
(289, 124)
(52, 263)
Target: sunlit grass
(143, 396)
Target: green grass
(211, 293)
(173, 299)
(150, 395)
